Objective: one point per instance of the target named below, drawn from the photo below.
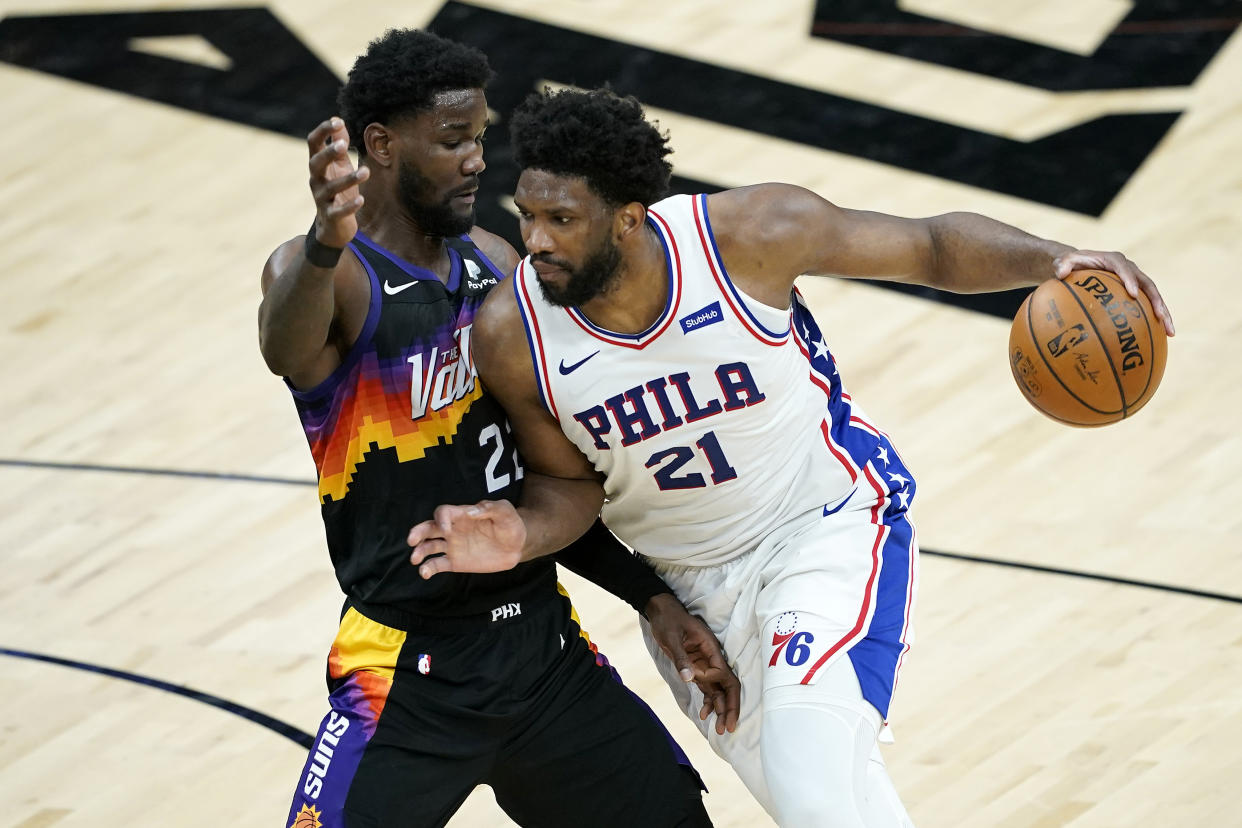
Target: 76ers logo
(786, 639)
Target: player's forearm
(556, 512)
(295, 317)
(970, 253)
(602, 559)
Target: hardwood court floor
(135, 232)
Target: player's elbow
(282, 357)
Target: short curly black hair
(401, 73)
(599, 136)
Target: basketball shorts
(423, 710)
(822, 588)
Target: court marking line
(295, 734)
(290, 481)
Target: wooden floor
(135, 233)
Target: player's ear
(378, 141)
(629, 219)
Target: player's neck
(640, 293)
(392, 229)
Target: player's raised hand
(334, 183)
(485, 537)
(1131, 276)
(696, 653)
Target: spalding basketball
(1084, 352)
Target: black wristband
(319, 254)
(599, 557)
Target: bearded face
(436, 213)
(594, 277)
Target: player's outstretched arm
(803, 233)
(309, 290)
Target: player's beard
(597, 275)
(434, 218)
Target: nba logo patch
(424, 663)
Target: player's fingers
(318, 136)
(731, 693)
(681, 660)
(329, 189)
(1157, 303)
(446, 516)
(420, 532)
(326, 155)
(434, 566)
(428, 549)
(345, 208)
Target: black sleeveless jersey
(404, 425)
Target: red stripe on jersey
(725, 289)
(872, 579)
(541, 359)
(832, 447)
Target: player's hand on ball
(485, 537)
(1131, 276)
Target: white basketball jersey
(721, 421)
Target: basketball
(1084, 352)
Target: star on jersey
(821, 347)
(904, 497)
(882, 453)
(897, 478)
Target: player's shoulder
(280, 258)
(772, 213)
(496, 249)
(771, 200)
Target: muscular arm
(562, 494)
(602, 559)
(797, 232)
(311, 315)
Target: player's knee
(818, 809)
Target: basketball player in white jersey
(655, 359)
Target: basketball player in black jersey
(438, 686)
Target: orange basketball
(1085, 353)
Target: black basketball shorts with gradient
(423, 710)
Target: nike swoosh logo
(569, 369)
(840, 505)
(393, 291)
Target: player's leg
(724, 596)
(376, 759)
(591, 752)
(821, 759)
(884, 805)
(836, 627)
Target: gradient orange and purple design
(371, 409)
(365, 654)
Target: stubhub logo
(709, 315)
